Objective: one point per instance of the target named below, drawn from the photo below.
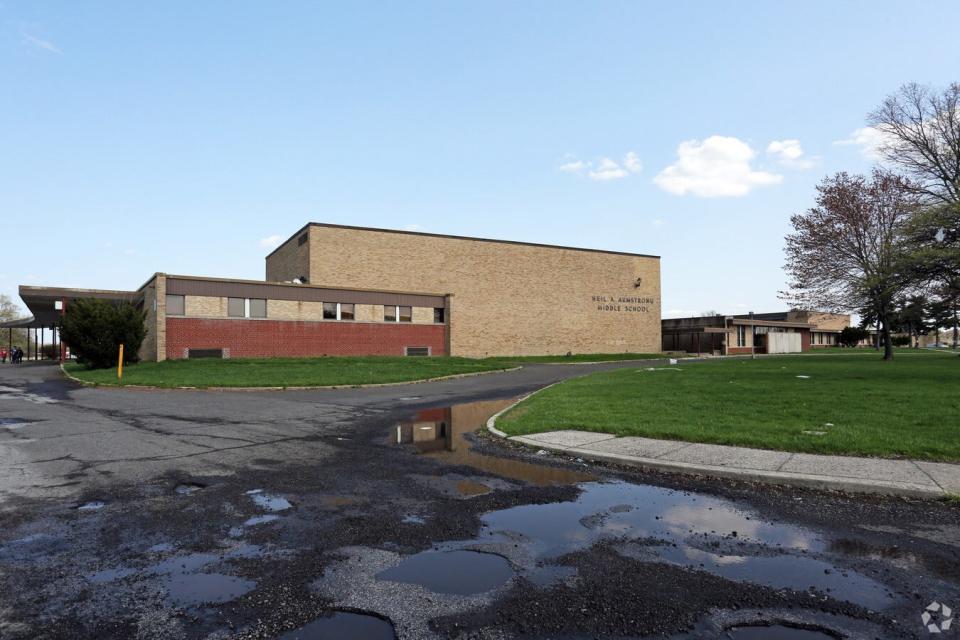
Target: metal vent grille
(417, 351)
(205, 353)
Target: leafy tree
(10, 311)
(911, 318)
(851, 336)
(846, 253)
(95, 329)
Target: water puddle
(93, 505)
(701, 532)
(187, 488)
(457, 572)
(343, 625)
(268, 501)
(776, 632)
(469, 488)
(184, 590)
(412, 519)
(254, 521)
(110, 575)
(441, 433)
(14, 423)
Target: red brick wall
(739, 351)
(804, 339)
(278, 338)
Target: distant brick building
(781, 332)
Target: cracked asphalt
(204, 514)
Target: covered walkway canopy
(47, 304)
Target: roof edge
(330, 225)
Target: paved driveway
(376, 512)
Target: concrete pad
(734, 457)
(568, 438)
(945, 475)
(903, 471)
(640, 447)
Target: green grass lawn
(577, 357)
(284, 372)
(909, 407)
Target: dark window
(389, 313)
(346, 311)
(302, 240)
(235, 308)
(418, 351)
(258, 308)
(329, 310)
(439, 315)
(175, 305)
(406, 314)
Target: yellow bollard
(120, 364)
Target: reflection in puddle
(776, 632)
(187, 488)
(93, 505)
(199, 588)
(440, 433)
(254, 521)
(343, 625)
(458, 572)
(109, 575)
(471, 488)
(268, 501)
(678, 522)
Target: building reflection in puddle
(441, 433)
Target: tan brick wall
(148, 349)
(289, 261)
(205, 306)
(821, 320)
(422, 315)
(160, 284)
(508, 299)
(369, 313)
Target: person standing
(3, 356)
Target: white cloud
(39, 43)
(604, 169)
(607, 169)
(575, 166)
(271, 241)
(717, 167)
(867, 138)
(790, 154)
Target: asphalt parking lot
(379, 513)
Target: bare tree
(845, 253)
(921, 134)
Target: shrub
(900, 341)
(851, 336)
(50, 351)
(95, 329)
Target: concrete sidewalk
(871, 475)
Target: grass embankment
(284, 372)
(908, 407)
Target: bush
(901, 341)
(95, 329)
(851, 336)
(50, 351)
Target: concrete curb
(828, 482)
(144, 387)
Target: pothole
(456, 572)
(93, 505)
(269, 501)
(776, 632)
(187, 488)
(343, 625)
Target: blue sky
(187, 136)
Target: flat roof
(306, 285)
(453, 237)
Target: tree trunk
(887, 339)
(877, 338)
(956, 327)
